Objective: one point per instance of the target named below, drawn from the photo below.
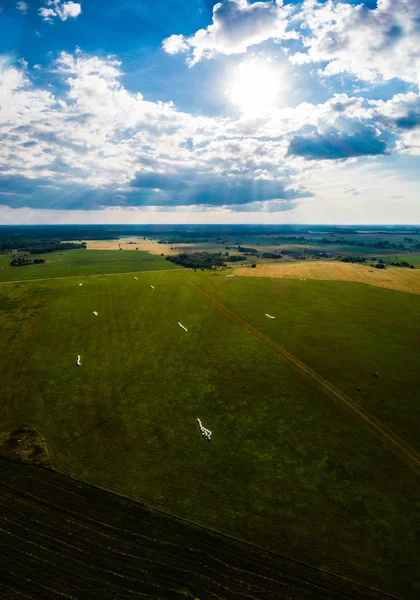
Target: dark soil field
(63, 539)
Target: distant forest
(36, 245)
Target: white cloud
(401, 113)
(23, 7)
(379, 44)
(103, 145)
(60, 10)
(370, 44)
(175, 44)
(237, 24)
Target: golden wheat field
(394, 278)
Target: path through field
(404, 450)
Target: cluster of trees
(271, 255)
(21, 261)
(381, 244)
(233, 258)
(243, 249)
(198, 260)
(403, 263)
(353, 259)
(176, 241)
(54, 247)
(38, 246)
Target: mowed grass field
(288, 468)
(394, 278)
(80, 262)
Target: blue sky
(239, 112)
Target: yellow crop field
(150, 246)
(394, 278)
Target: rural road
(404, 450)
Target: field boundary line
(93, 275)
(228, 535)
(405, 451)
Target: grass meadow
(82, 262)
(287, 469)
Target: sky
(276, 111)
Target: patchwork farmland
(289, 467)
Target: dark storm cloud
(335, 145)
(410, 121)
(187, 187)
(169, 190)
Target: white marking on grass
(79, 364)
(95, 313)
(269, 316)
(136, 278)
(182, 327)
(152, 287)
(204, 432)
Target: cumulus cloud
(189, 187)
(401, 114)
(237, 24)
(58, 9)
(103, 145)
(370, 43)
(22, 7)
(107, 146)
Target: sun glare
(254, 87)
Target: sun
(254, 87)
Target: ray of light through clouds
(311, 112)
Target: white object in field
(152, 287)
(79, 364)
(136, 278)
(269, 316)
(95, 313)
(182, 327)
(80, 284)
(204, 432)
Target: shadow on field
(61, 538)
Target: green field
(82, 262)
(288, 468)
(344, 331)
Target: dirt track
(404, 450)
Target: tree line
(21, 261)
